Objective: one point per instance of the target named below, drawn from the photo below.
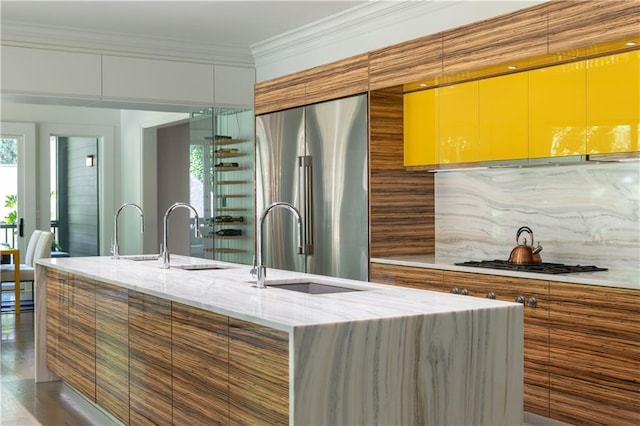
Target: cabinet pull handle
(519, 299)
(532, 302)
(491, 295)
(454, 290)
(464, 292)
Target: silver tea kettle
(524, 254)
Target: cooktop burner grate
(542, 268)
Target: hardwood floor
(25, 403)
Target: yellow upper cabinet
(613, 103)
(421, 128)
(557, 117)
(504, 116)
(458, 124)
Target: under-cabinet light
(631, 43)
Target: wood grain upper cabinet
(595, 354)
(557, 105)
(258, 374)
(50, 72)
(112, 350)
(200, 366)
(613, 103)
(576, 24)
(338, 79)
(125, 78)
(279, 93)
(149, 360)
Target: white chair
(39, 247)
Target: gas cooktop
(542, 268)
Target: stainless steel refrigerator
(315, 157)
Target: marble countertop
(230, 292)
(629, 279)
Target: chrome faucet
(115, 249)
(164, 251)
(259, 267)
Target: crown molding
(56, 38)
(352, 22)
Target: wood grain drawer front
(55, 335)
(112, 350)
(406, 276)
(414, 60)
(149, 359)
(258, 374)
(536, 326)
(582, 23)
(82, 332)
(200, 366)
(595, 354)
(510, 37)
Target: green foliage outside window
(8, 151)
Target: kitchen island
(177, 346)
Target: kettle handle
(524, 229)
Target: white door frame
(25, 133)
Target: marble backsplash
(581, 214)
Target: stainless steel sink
(198, 267)
(312, 287)
(141, 257)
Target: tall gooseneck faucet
(115, 249)
(261, 270)
(164, 251)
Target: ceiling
(236, 24)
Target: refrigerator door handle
(306, 188)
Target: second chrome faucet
(164, 250)
(115, 249)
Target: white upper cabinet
(234, 85)
(154, 80)
(50, 72)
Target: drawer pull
(532, 302)
(491, 295)
(454, 290)
(464, 292)
(520, 299)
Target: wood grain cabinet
(200, 366)
(70, 331)
(149, 360)
(258, 374)
(594, 354)
(112, 350)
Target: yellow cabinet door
(504, 117)
(613, 103)
(458, 124)
(421, 128)
(557, 117)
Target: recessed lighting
(631, 43)
(512, 67)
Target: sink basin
(312, 287)
(198, 267)
(141, 257)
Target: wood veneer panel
(407, 276)
(346, 77)
(55, 335)
(280, 93)
(112, 350)
(412, 60)
(517, 35)
(401, 213)
(386, 129)
(536, 327)
(595, 354)
(82, 332)
(200, 366)
(149, 360)
(581, 23)
(258, 374)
